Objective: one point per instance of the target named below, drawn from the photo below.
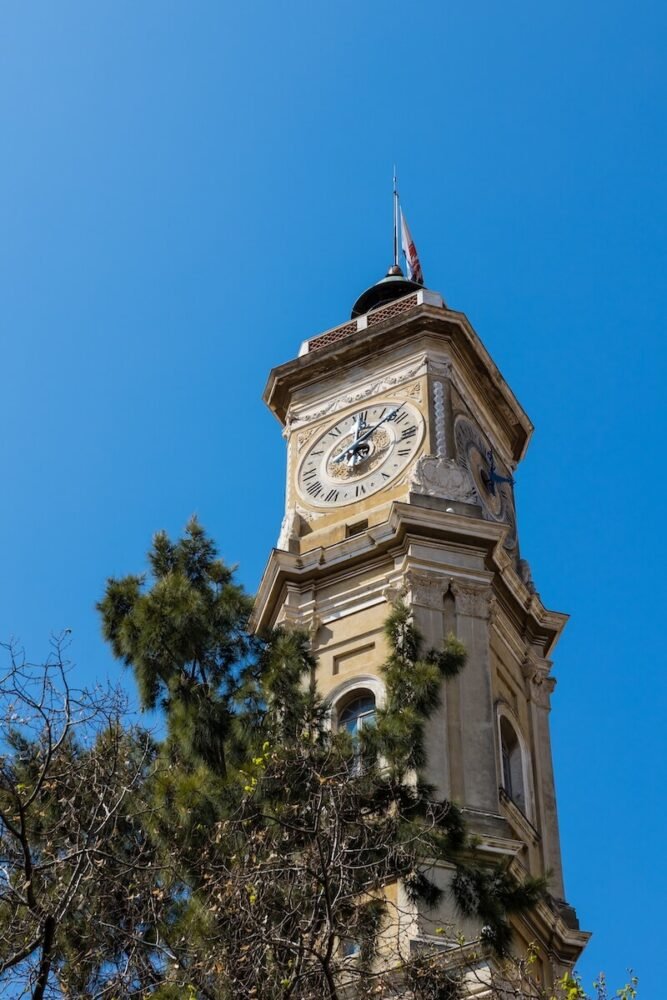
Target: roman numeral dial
(360, 453)
(492, 479)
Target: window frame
(344, 693)
(503, 712)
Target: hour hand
(359, 426)
(359, 442)
(493, 476)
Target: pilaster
(539, 688)
(475, 707)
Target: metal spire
(396, 264)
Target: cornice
(406, 522)
(564, 943)
(421, 322)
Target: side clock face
(492, 480)
(360, 454)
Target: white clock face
(360, 454)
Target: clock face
(360, 454)
(492, 480)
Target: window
(351, 949)
(358, 713)
(354, 706)
(512, 763)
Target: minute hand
(351, 448)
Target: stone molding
(307, 608)
(391, 540)
(377, 387)
(359, 682)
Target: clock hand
(354, 447)
(493, 476)
(355, 456)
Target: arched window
(358, 713)
(512, 762)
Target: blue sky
(189, 190)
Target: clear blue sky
(187, 190)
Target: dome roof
(393, 286)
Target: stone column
(539, 687)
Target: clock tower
(402, 441)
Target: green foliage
(183, 633)
(261, 841)
(570, 987)
(413, 682)
(492, 894)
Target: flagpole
(395, 220)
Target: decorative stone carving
(303, 437)
(442, 477)
(413, 391)
(439, 418)
(443, 368)
(393, 593)
(540, 683)
(427, 591)
(377, 388)
(474, 601)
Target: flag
(410, 253)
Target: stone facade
(442, 535)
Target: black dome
(393, 286)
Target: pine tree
(281, 839)
(185, 639)
(253, 852)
